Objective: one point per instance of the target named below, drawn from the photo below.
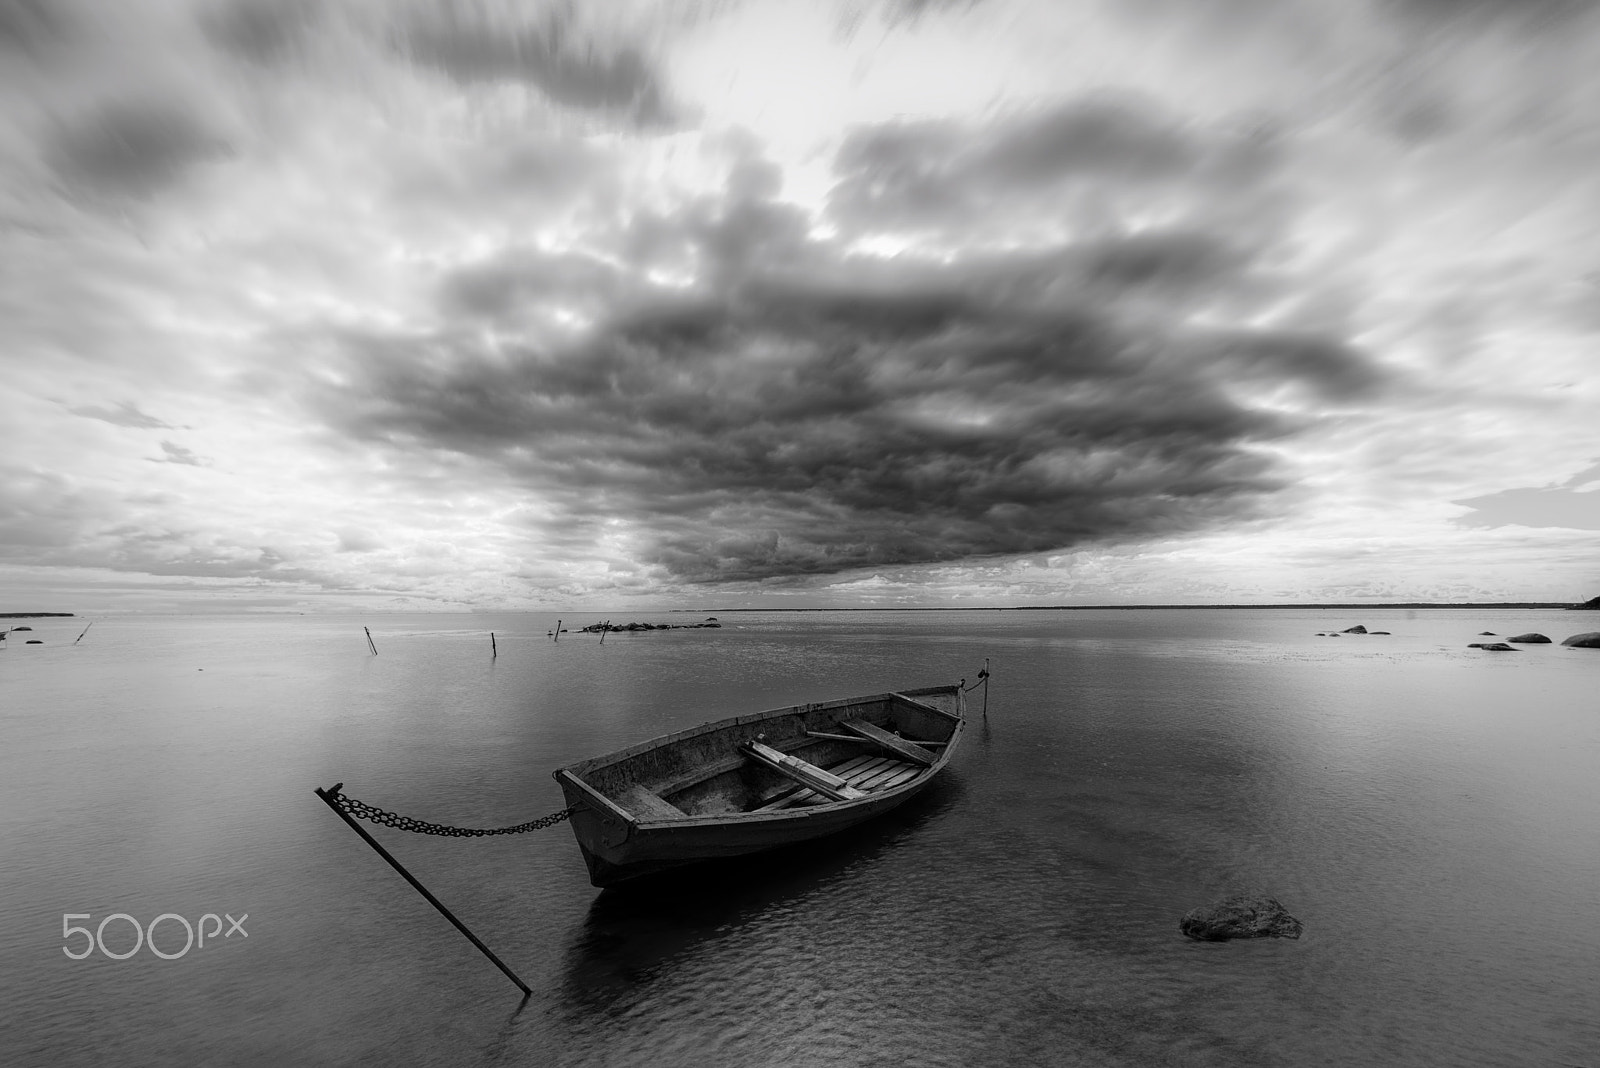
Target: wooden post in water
(604, 627)
(370, 643)
(493, 648)
(985, 687)
(79, 638)
(328, 797)
(558, 630)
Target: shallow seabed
(1429, 812)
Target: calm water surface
(1428, 811)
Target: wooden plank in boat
(645, 804)
(823, 782)
(899, 746)
(793, 797)
(922, 705)
(834, 737)
(853, 765)
(869, 769)
(717, 767)
(852, 771)
(894, 767)
(905, 774)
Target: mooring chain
(363, 811)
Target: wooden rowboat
(751, 783)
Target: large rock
(1240, 916)
(1357, 629)
(1530, 639)
(1589, 639)
(1493, 647)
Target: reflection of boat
(757, 782)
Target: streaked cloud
(467, 43)
(260, 31)
(130, 148)
(496, 303)
(178, 454)
(124, 414)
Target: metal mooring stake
(329, 796)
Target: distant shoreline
(32, 615)
(1352, 607)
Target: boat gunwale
(573, 773)
(582, 767)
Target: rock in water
(1530, 639)
(1493, 647)
(1357, 629)
(1240, 916)
(1589, 639)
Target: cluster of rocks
(597, 628)
(30, 641)
(1587, 640)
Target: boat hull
(620, 841)
(615, 852)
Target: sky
(409, 304)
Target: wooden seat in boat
(884, 740)
(869, 773)
(647, 804)
(804, 773)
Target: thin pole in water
(558, 630)
(79, 638)
(328, 796)
(370, 643)
(494, 649)
(985, 687)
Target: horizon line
(1565, 605)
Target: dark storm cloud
(1332, 369)
(1174, 259)
(131, 148)
(802, 410)
(500, 286)
(467, 46)
(813, 428)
